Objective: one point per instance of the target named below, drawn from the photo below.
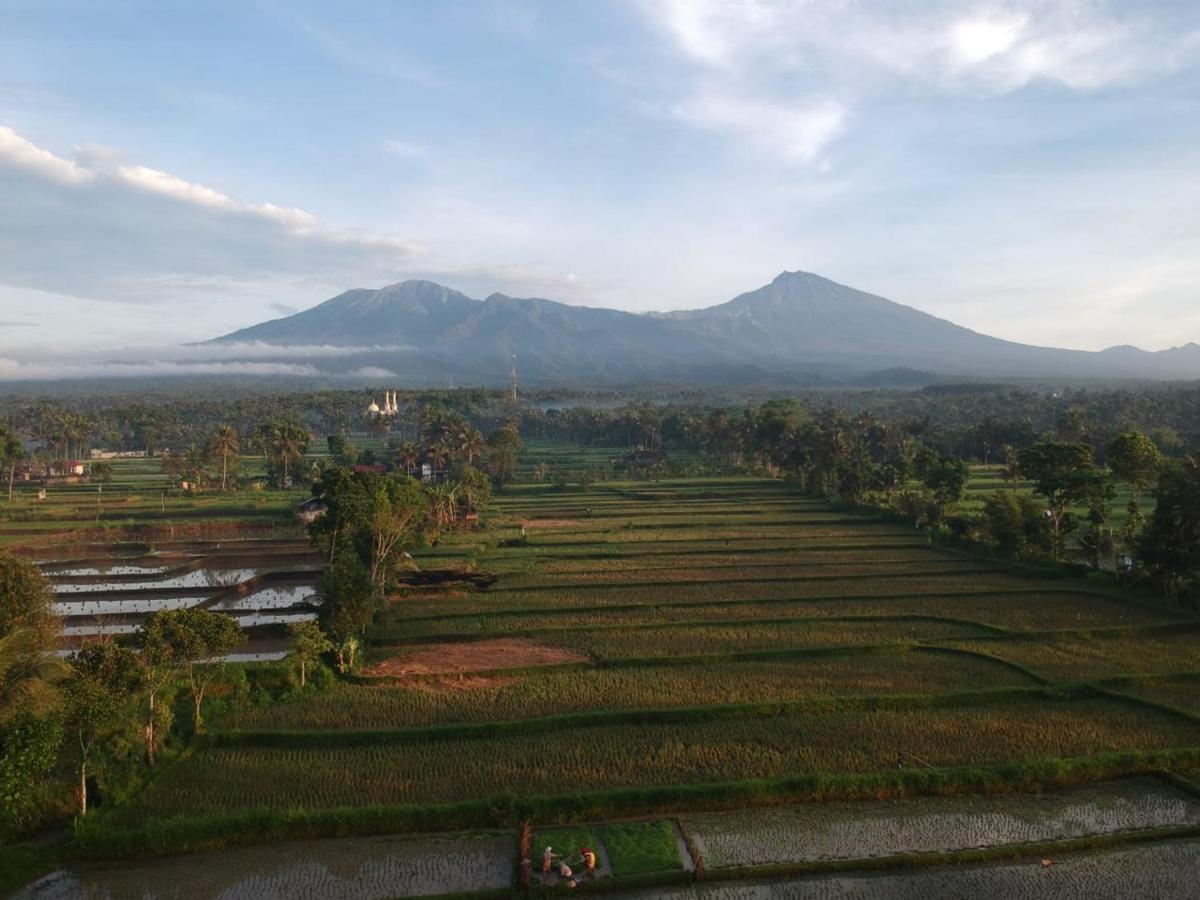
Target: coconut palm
(469, 443)
(224, 443)
(11, 451)
(407, 455)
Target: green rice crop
(580, 759)
(1024, 611)
(1080, 658)
(436, 701)
(683, 639)
(638, 847)
(390, 623)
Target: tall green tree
(348, 604)
(1170, 543)
(308, 645)
(504, 453)
(947, 480)
(1017, 525)
(1136, 460)
(375, 517)
(1060, 473)
(103, 678)
(193, 641)
(26, 599)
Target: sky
(173, 171)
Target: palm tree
(11, 450)
(439, 454)
(407, 456)
(469, 443)
(290, 441)
(224, 443)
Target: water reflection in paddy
(125, 607)
(80, 571)
(271, 598)
(198, 578)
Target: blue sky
(172, 171)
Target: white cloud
(104, 229)
(13, 370)
(745, 59)
(1080, 43)
(168, 185)
(793, 133)
(20, 153)
(977, 39)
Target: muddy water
(353, 868)
(820, 831)
(1166, 871)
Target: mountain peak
(800, 322)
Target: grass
(21, 864)
(635, 848)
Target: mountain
(800, 328)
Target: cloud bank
(250, 358)
(95, 227)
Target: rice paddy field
(698, 651)
(118, 552)
(693, 633)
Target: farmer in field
(589, 860)
(547, 860)
(564, 871)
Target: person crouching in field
(589, 860)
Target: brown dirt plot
(473, 656)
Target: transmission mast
(513, 379)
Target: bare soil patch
(534, 524)
(473, 656)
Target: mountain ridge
(799, 324)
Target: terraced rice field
(362, 868)
(646, 636)
(1163, 871)
(117, 553)
(827, 831)
(601, 756)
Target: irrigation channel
(110, 589)
(1133, 837)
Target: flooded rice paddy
(850, 830)
(1165, 871)
(364, 868)
(203, 577)
(260, 583)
